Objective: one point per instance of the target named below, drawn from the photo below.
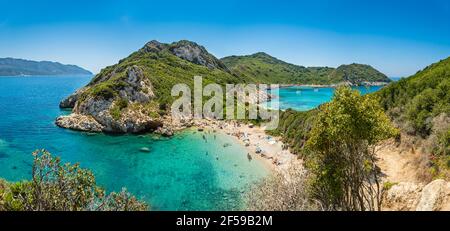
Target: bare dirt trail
(399, 164)
(412, 188)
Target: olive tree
(342, 156)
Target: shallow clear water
(182, 173)
(307, 98)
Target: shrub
(63, 187)
(104, 91)
(116, 110)
(419, 111)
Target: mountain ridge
(17, 67)
(262, 66)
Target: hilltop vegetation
(413, 102)
(357, 74)
(14, 67)
(263, 68)
(165, 65)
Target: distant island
(22, 67)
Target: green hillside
(415, 101)
(165, 65)
(134, 95)
(294, 127)
(263, 68)
(357, 73)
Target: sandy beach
(259, 145)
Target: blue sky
(396, 37)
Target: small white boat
(144, 150)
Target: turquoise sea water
(307, 98)
(182, 173)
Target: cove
(185, 172)
(302, 98)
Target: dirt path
(400, 165)
(413, 188)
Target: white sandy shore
(259, 145)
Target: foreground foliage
(342, 157)
(62, 187)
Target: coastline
(369, 84)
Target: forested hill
(17, 67)
(263, 68)
(416, 101)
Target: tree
(62, 187)
(342, 152)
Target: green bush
(62, 187)
(103, 90)
(342, 156)
(116, 110)
(294, 128)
